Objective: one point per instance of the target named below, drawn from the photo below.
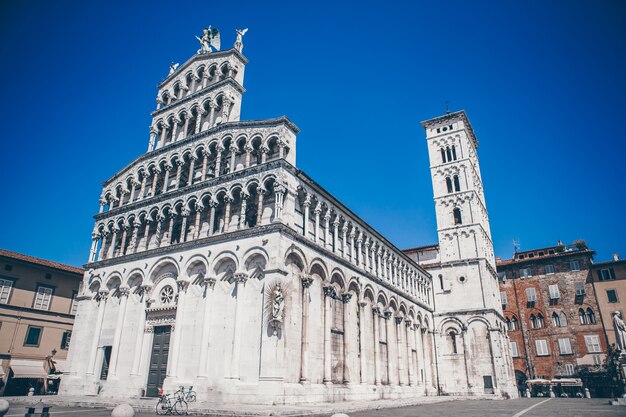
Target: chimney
(498, 259)
(615, 257)
(559, 243)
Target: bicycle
(167, 405)
(187, 395)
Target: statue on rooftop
(239, 42)
(210, 39)
(173, 67)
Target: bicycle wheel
(180, 407)
(191, 397)
(162, 407)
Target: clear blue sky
(543, 83)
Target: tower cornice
(451, 117)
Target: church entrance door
(158, 360)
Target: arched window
(540, 322)
(582, 316)
(514, 324)
(556, 320)
(452, 337)
(457, 216)
(533, 321)
(457, 184)
(563, 318)
(449, 184)
(448, 153)
(454, 152)
(591, 318)
(508, 323)
(443, 156)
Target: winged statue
(210, 39)
(239, 42)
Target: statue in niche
(274, 309)
(239, 42)
(278, 305)
(210, 39)
(620, 331)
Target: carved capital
(199, 207)
(241, 277)
(387, 315)
(345, 298)
(330, 292)
(307, 281)
(209, 282)
(168, 166)
(399, 320)
(376, 310)
(123, 291)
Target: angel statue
(210, 39)
(239, 42)
(278, 304)
(173, 67)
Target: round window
(461, 279)
(167, 294)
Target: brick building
(551, 311)
(609, 281)
(37, 310)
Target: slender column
(389, 330)
(307, 281)
(157, 234)
(317, 211)
(183, 227)
(196, 226)
(142, 190)
(281, 149)
(175, 129)
(264, 151)
(133, 238)
(345, 299)
(170, 229)
(218, 160)
(379, 257)
(123, 242)
(226, 103)
(328, 294)
(400, 348)
(419, 350)
(248, 150)
(94, 244)
(465, 352)
(123, 192)
(242, 215)
(366, 254)
(113, 242)
(209, 285)
(344, 233)
(376, 317)
(279, 193)
(146, 233)
(179, 164)
(115, 350)
(307, 209)
(163, 136)
(205, 160)
(168, 167)
(362, 306)
(183, 283)
(101, 254)
(145, 289)
(424, 354)
(133, 187)
(186, 127)
(240, 285)
(327, 242)
(153, 134)
(155, 176)
(233, 156)
(227, 201)
(103, 203)
(193, 84)
(205, 79)
(212, 107)
(352, 234)
(259, 214)
(336, 234)
(359, 240)
(199, 115)
(102, 300)
(212, 205)
(192, 163)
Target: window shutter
(531, 295)
(503, 297)
(565, 347)
(612, 273)
(554, 292)
(514, 350)
(580, 288)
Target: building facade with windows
(551, 311)
(609, 281)
(37, 310)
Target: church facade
(216, 263)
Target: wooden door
(158, 360)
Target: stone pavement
(535, 407)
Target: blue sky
(542, 82)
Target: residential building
(37, 310)
(551, 311)
(609, 281)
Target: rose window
(167, 295)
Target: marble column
(153, 134)
(327, 243)
(345, 299)
(102, 300)
(409, 352)
(155, 177)
(336, 235)
(179, 164)
(218, 161)
(209, 286)
(307, 281)
(400, 348)
(212, 205)
(233, 156)
(192, 163)
(183, 284)
(329, 292)
(363, 364)
(94, 244)
(248, 150)
(205, 161)
(376, 319)
(196, 228)
(242, 214)
(142, 190)
(317, 211)
(240, 285)
(185, 212)
(344, 242)
(124, 291)
(168, 167)
(307, 208)
(145, 288)
(419, 349)
(389, 330)
(227, 201)
(111, 253)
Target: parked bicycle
(188, 395)
(167, 405)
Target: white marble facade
(216, 263)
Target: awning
(23, 368)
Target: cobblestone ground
(474, 408)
